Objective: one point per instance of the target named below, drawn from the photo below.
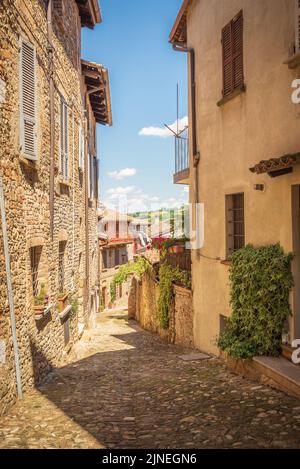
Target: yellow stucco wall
(259, 124)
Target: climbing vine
(260, 280)
(167, 276)
(139, 267)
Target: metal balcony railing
(181, 153)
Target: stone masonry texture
(127, 388)
(27, 189)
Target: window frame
(81, 146)
(62, 245)
(231, 223)
(64, 140)
(35, 253)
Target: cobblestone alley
(126, 388)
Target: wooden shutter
(232, 45)
(96, 175)
(28, 133)
(237, 51)
(297, 27)
(227, 59)
(91, 177)
(58, 6)
(81, 145)
(64, 145)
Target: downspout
(196, 154)
(10, 291)
(86, 197)
(52, 122)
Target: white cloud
(122, 174)
(186, 189)
(164, 132)
(120, 191)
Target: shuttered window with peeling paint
(232, 45)
(28, 101)
(64, 141)
(81, 147)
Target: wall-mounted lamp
(259, 187)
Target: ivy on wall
(260, 281)
(167, 276)
(138, 268)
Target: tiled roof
(97, 82)
(276, 164)
(179, 31)
(89, 12)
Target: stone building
(243, 165)
(117, 244)
(50, 102)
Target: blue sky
(132, 42)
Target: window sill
(241, 89)
(65, 312)
(64, 182)
(43, 313)
(31, 164)
(293, 61)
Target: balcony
(182, 167)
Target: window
(28, 101)
(297, 28)
(61, 266)
(81, 146)
(91, 177)
(104, 259)
(35, 257)
(117, 229)
(58, 6)
(232, 44)
(117, 257)
(64, 156)
(235, 224)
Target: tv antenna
(178, 132)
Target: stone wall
(143, 307)
(27, 187)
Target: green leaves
(167, 276)
(260, 280)
(138, 268)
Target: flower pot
(62, 300)
(177, 249)
(39, 310)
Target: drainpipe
(196, 154)
(10, 291)
(86, 197)
(52, 121)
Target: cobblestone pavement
(126, 388)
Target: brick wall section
(27, 194)
(143, 307)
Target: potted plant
(62, 300)
(177, 249)
(41, 301)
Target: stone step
(279, 373)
